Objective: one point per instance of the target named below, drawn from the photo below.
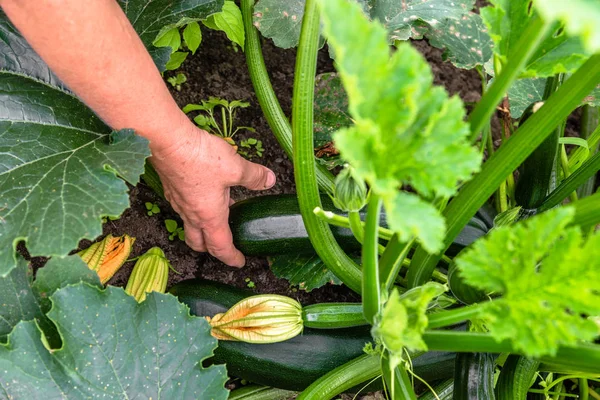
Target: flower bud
(108, 255)
(350, 191)
(150, 274)
(262, 319)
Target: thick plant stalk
(587, 212)
(371, 295)
(575, 180)
(392, 260)
(397, 381)
(258, 392)
(319, 232)
(525, 140)
(534, 34)
(582, 358)
(267, 98)
(535, 174)
(353, 373)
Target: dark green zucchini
(295, 363)
(516, 378)
(442, 391)
(463, 292)
(536, 173)
(271, 225)
(474, 376)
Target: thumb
(255, 176)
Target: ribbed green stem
(353, 373)
(587, 211)
(583, 358)
(569, 185)
(455, 316)
(356, 226)
(537, 171)
(589, 122)
(523, 142)
(319, 232)
(534, 33)
(344, 222)
(579, 155)
(267, 98)
(392, 260)
(371, 296)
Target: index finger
(219, 241)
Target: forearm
(91, 46)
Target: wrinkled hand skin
(197, 172)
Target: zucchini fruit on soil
(295, 363)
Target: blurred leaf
(580, 18)
(507, 21)
(331, 108)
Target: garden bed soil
(217, 69)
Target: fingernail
(270, 180)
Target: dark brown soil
(219, 70)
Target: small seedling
(152, 208)
(177, 80)
(215, 108)
(251, 144)
(249, 283)
(109, 218)
(174, 230)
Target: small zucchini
(516, 378)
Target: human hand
(197, 171)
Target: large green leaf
(113, 348)
(406, 132)
(306, 272)
(24, 300)
(17, 299)
(580, 18)
(152, 18)
(507, 21)
(60, 272)
(58, 174)
(548, 276)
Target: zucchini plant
(446, 297)
(532, 286)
